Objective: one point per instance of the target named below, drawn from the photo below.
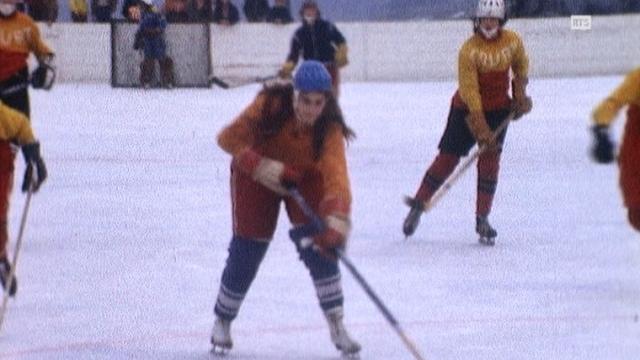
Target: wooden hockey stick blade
(217, 81)
(226, 85)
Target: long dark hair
(278, 109)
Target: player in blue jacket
(320, 40)
(150, 38)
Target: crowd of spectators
(551, 8)
(223, 12)
(228, 12)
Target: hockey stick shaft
(308, 211)
(16, 253)
(14, 89)
(463, 168)
(381, 306)
(227, 85)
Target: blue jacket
(150, 35)
(315, 42)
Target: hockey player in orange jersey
(486, 63)
(627, 94)
(15, 129)
(287, 135)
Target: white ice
(126, 241)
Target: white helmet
(491, 9)
(148, 2)
(8, 7)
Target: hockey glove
(480, 129)
(521, 107)
(335, 214)
(340, 56)
(522, 103)
(273, 174)
(286, 70)
(36, 171)
(602, 150)
(43, 76)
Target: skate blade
(220, 350)
(413, 202)
(350, 356)
(488, 241)
(353, 353)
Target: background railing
(394, 10)
(379, 51)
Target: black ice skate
(486, 232)
(413, 218)
(5, 271)
(221, 337)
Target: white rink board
(394, 51)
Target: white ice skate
(339, 336)
(486, 232)
(221, 336)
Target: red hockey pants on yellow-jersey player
(6, 185)
(629, 160)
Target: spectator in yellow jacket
(78, 9)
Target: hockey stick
(47, 84)
(14, 89)
(231, 85)
(16, 252)
(316, 226)
(428, 205)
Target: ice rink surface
(126, 241)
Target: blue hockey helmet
(312, 76)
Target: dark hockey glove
(43, 76)
(521, 104)
(602, 150)
(36, 171)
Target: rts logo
(581, 22)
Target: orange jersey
(19, 36)
(483, 71)
(294, 147)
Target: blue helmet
(312, 76)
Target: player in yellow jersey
(628, 93)
(491, 59)
(19, 37)
(15, 129)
